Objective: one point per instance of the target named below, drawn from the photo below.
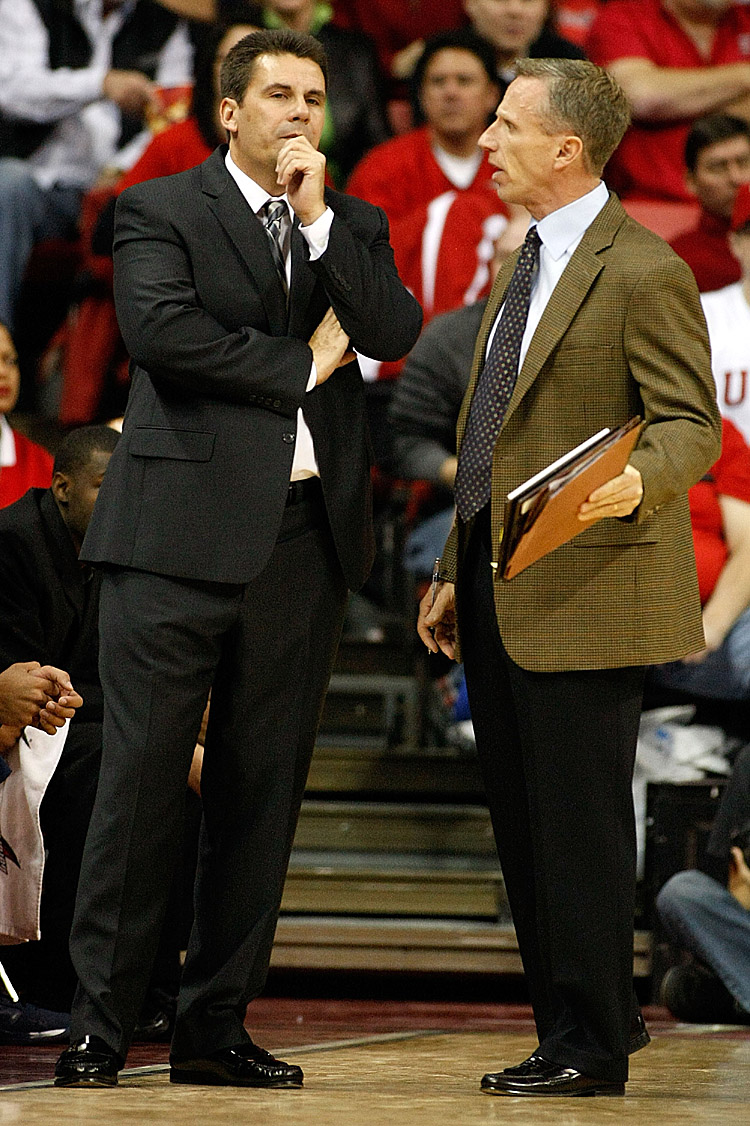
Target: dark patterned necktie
(272, 214)
(495, 387)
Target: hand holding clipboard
(542, 512)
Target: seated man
(434, 183)
(717, 160)
(676, 60)
(710, 918)
(76, 83)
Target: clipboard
(541, 514)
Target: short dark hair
(462, 40)
(709, 130)
(582, 97)
(79, 446)
(237, 68)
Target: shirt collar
(255, 195)
(560, 229)
(7, 444)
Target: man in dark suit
(601, 321)
(234, 515)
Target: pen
(433, 591)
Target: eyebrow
(290, 89)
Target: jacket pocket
(182, 445)
(618, 532)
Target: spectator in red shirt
(23, 464)
(717, 158)
(434, 182)
(720, 517)
(676, 60)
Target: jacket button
(276, 403)
(287, 437)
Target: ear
(569, 150)
(60, 487)
(228, 114)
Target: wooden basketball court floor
(397, 1064)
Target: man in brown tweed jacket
(555, 657)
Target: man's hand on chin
(301, 171)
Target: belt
(307, 489)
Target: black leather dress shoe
(88, 1063)
(244, 1065)
(537, 1076)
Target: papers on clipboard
(542, 512)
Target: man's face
(519, 148)
(76, 493)
(509, 25)
(457, 95)
(719, 171)
(285, 98)
(10, 377)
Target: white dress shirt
(304, 463)
(560, 233)
(87, 125)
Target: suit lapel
(231, 209)
(567, 297)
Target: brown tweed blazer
(622, 334)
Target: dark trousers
(266, 651)
(557, 753)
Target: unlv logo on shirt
(734, 392)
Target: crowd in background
(98, 95)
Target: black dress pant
(557, 752)
(266, 650)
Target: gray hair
(584, 99)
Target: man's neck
(462, 145)
(563, 195)
(700, 24)
(264, 177)
(301, 20)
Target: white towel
(33, 761)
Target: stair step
(461, 830)
(355, 767)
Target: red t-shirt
(174, 150)
(33, 470)
(729, 477)
(649, 163)
(706, 250)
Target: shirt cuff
(313, 380)
(317, 233)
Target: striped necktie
(272, 214)
(495, 386)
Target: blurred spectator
(77, 82)
(720, 518)
(399, 29)
(88, 350)
(355, 107)
(23, 464)
(728, 317)
(516, 29)
(434, 183)
(676, 60)
(707, 914)
(717, 159)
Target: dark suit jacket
(48, 603)
(622, 334)
(197, 486)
